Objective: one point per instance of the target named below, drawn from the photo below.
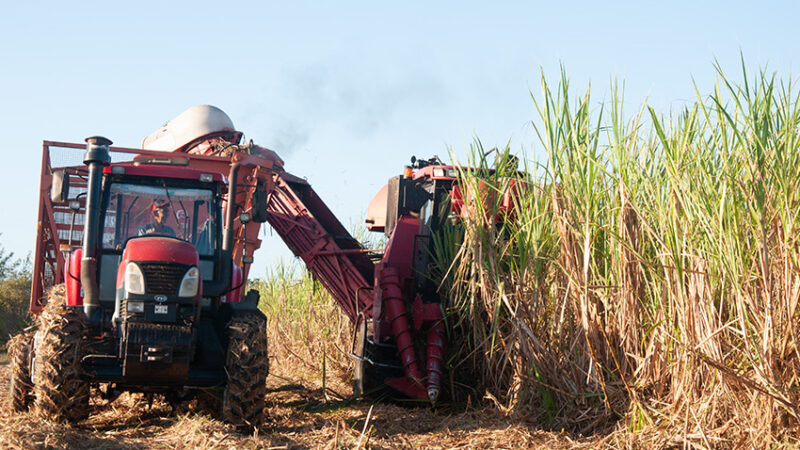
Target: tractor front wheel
(19, 385)
(60, 392)
(247, 367)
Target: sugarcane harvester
(396, 308)
(392, 303)
(153, 250)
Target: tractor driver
(159, 210)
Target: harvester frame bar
(311, 234)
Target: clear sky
(346, 92)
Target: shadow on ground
(298, 416)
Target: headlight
(134, 280)
(135, 307)
(190, 283)
(438, 172)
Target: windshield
(134, 210)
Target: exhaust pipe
(96, 157)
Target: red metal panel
(400, 247)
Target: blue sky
(346, 92)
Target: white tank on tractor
(195, 124)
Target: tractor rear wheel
(247, 367)
(60, 392)
(20, 386)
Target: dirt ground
(299, 416)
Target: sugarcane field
(367, 226)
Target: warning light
(407, 172)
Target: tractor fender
(249, 303)
(72, 279)
(235, 294)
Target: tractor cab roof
(162, 170)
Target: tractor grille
(162, 279)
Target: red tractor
(145, 260)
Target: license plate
(161, 309)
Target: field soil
(298, 416)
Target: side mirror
(59, 190)
(259, 209)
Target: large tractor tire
(60, 392)
(247, 367)
(19, 385)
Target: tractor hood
(160, 249)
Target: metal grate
(162, 279)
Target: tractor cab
(161, 236)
